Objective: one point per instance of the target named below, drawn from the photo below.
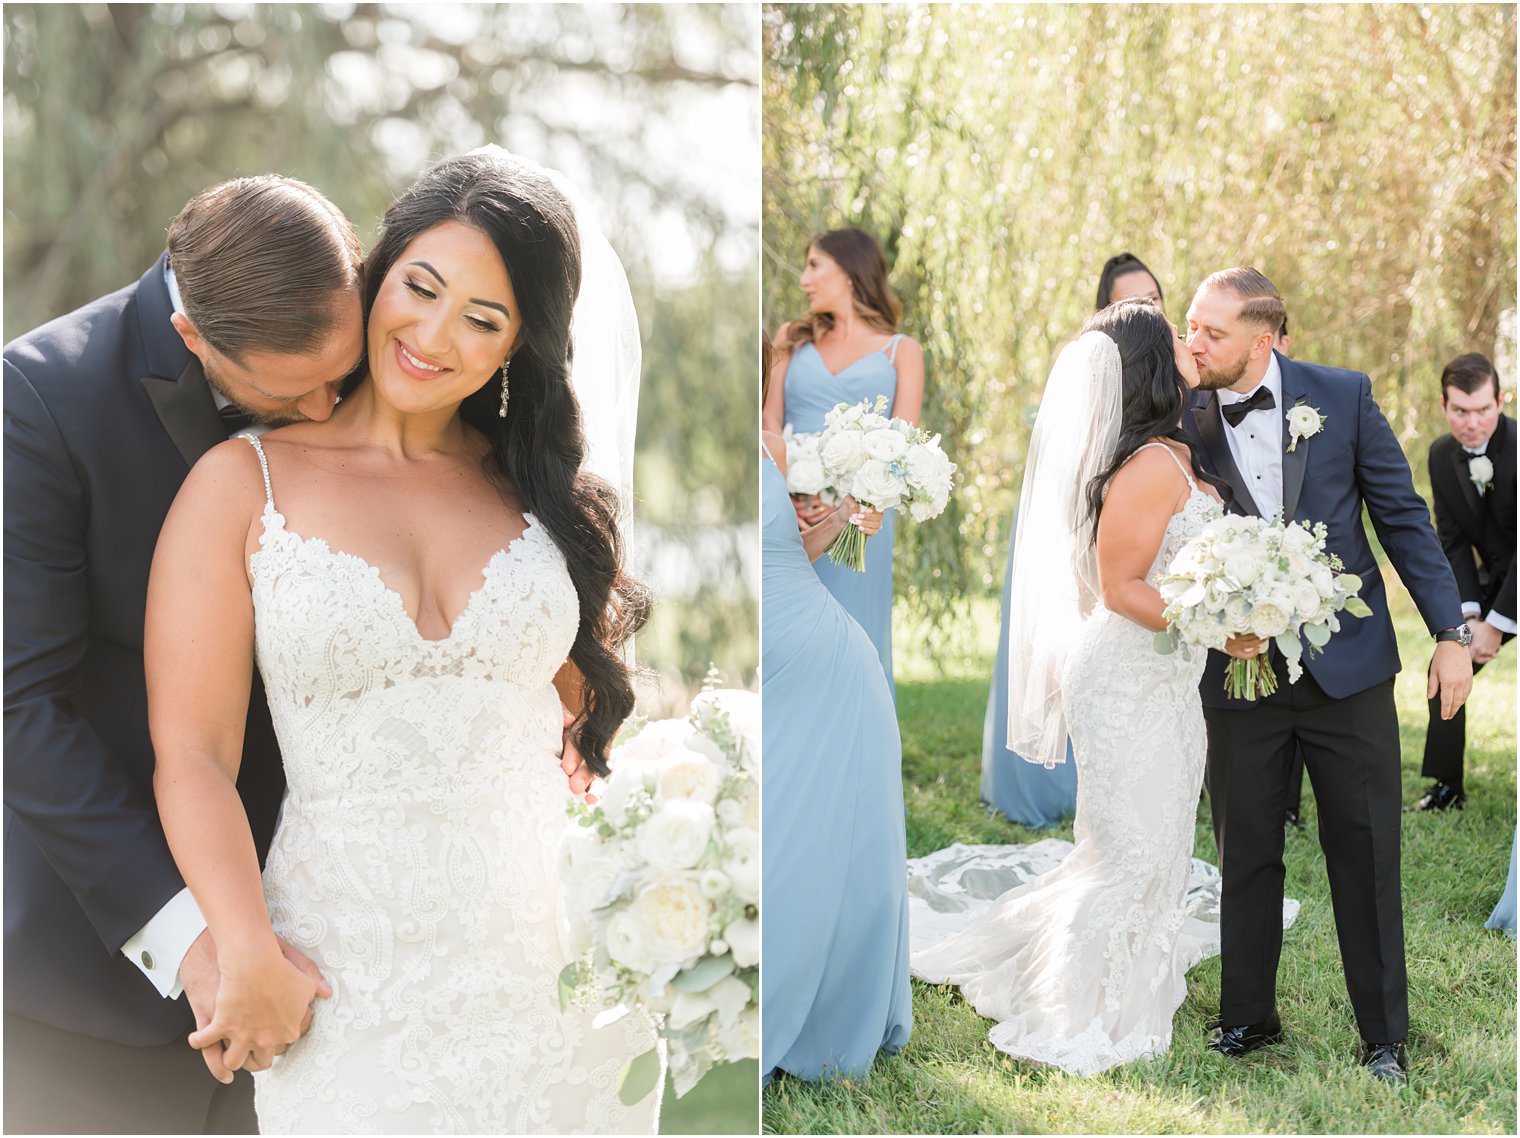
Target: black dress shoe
(1441, 796)
(1385, 1061)
(1246, 1038)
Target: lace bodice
(416, 859)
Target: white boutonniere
(1304, 422)
(1480, 471)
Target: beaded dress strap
(264, 466)
(1186, 473)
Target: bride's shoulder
(1150, 469)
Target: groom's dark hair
(1468, 373)
(1261, 302)
(262, 264)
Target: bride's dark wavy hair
(539, 448)
(1154, 393)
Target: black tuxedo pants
(1351, 751)
(1446, 739)
(57, 1082)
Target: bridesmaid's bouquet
(1267, 578)
(805, 473)
(884, 463)
(663, 888)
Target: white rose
(626, 943)
(1244, 567)
(845, 415)
(842, 455)
(1323, 579)
(1237, 614)
(743, 938)
(1268, 620)
(591, 882)
(743, 864)
(1480, 472)
(670, 916)
(877, 486)
(1303, 422)
(805, 474)
(675, 836)
(1296, 539)
(884, 444)
(1306, 599)
(686, 774)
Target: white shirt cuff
(1502, 623)
(1471, 609)
(160, 945)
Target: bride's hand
(1245, 647)
(262, 1006)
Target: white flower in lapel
(1480, 471)
(1304, 422)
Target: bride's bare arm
(1142, 498)
(198, 652)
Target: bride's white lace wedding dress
(416, 857)
(1080, 952)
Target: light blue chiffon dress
(1021, 791)
(1503, 916)
(812, 391)
(834, 986)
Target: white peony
(1268, 620)
(675, 836)
(670, 917)
(1245, 566)
(1304, 422)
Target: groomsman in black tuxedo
(1472, 479)
(254, 312)
(1310, 441)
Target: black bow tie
(1260, 400)
(235, 419)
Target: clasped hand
(811, 510)
(261, 1006)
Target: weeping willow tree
(1363, 157)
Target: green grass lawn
(950, 1080)
(725, 1101)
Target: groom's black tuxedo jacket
(1354, 461)
(105, 412)
(1478, 530)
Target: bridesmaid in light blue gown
(1025, 792)
(845, 350)
(1503, 916)
(834, 985)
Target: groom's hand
(1451, 675)
(199, 976)
(1486, 640)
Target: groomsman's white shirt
(159, 946)
(1257, 444)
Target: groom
(1310, 441)
(253, 313)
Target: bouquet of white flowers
(804, 466)
(1267, 578)
(663, 889)
(883, 463)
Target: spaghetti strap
(1186, 473)
(890, 348)
(769, 455)
(264, 466)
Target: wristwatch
(1461, 634)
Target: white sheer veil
(1055, 565)
(608, 348)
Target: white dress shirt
(1257, 444)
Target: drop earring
(503, 412)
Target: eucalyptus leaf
(1357, 607)
(638, 1077)
(704, 975)
(1317, 634)
(569, 980)
(1166, 642)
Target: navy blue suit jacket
(105, 412)
(1354, 461)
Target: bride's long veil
(1055, 567)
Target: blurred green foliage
(114, 115)
(1363, 157)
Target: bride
(423, 581)
(1083, 965)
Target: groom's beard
(1212, 378)
(281, 417)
